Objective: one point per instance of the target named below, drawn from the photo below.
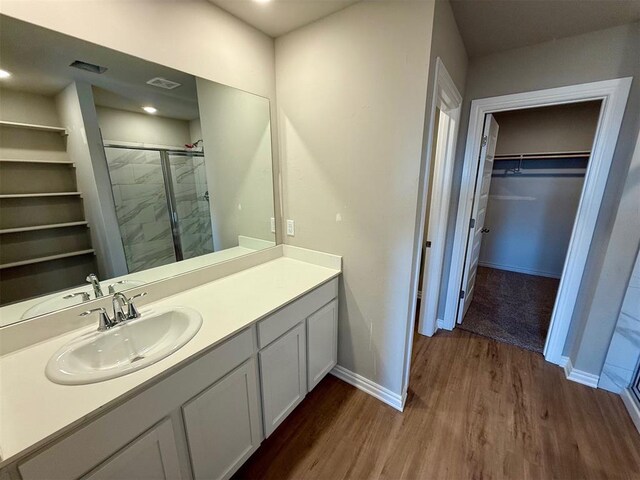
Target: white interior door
(478, 215)
(437, 211)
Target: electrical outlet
(291, 228)
(273, 225)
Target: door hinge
(472, 223)
(461, 294)
(484, 140)
(427, 244)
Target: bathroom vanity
(268, 336)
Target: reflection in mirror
(115, 166)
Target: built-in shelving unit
(48, 258)
(46, 242)
(33, 126)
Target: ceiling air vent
(89, 67)
(163, 83)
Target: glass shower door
(141, 205)
(191, 203)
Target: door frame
(447, 98)
(613, 94)
(445, 93)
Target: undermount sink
(123, 349)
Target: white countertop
(33, 409)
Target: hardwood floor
(477, 409)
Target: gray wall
(125, 126)
(447, 44)
(351, 108)
(601, 55)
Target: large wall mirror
(116, 172)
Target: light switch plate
(291, 228)
(273, 225)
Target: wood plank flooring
(477, 409)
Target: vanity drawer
(286, 318)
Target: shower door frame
(168, 185)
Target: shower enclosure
(162, 204)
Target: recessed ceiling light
(4, 74)
(150, 109)
(262, 1)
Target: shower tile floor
(512, 307)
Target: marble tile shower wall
(141, 207)
(624, 351)
(194, 215)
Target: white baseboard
(527, 271)
(378, 391)
(632, 407)
(578, 376)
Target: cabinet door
(322, 343)
(223, 424)
(283, 375)
(152, 456)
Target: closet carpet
(511, 307)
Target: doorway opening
(533, 167)
(477, 169)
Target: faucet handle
(112, 286)
(85, 296)
(132, 310)
(104, 322)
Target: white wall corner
(378, 391)
(578, 376)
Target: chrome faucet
(92, 278)
(119, 302)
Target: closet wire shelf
(520, 167)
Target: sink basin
(133, 345)
(65, 300)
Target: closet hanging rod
(543, 155)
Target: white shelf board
(33, 126)
(46, 259)
(36, 195)
(21, 160)
(43, 227)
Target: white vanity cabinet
(152, 456)
(298, 347)
(204, 419)
(283, 376)
(201, 391)
(322, 343)
(223, 424)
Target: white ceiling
(489, 26)
(39, 62)
(277, 17)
